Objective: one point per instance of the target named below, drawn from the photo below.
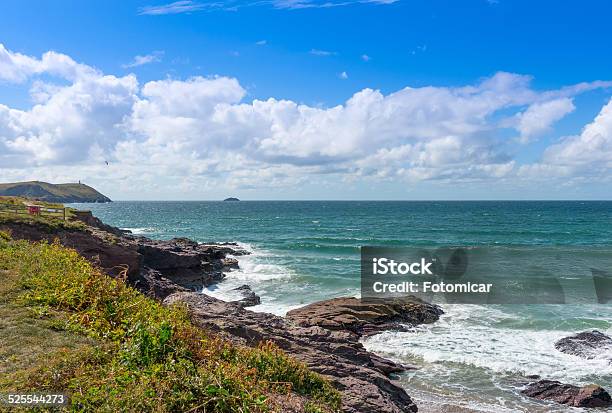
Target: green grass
(13, 210)
(113, 349)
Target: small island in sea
(231, 199)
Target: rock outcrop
(249, 298)
(587, 396)
(157, 268)
(335, 352)
(587, 344)
(365, 317)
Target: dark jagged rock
(365, 317)
(157, 268)
(186, 262)
(587, 344)
(249, 297)
(361, 376)
(230, 263)
(155, 285)
(228, 248)
(587, 396)
(89, 219)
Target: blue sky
(316, 55)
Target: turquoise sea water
(475, 357)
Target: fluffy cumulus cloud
(588, 155)
(16, 67)
(69, 123)
(539, 117)
(203, 131)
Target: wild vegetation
(67, 327)
(13, 210)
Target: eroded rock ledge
(365, 317)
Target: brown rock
(249, 297)
(157, 268)
(365, 317)
(102, 248)
(587, 396)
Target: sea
(476, 358)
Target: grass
(9, 205)
(113, 349)
(25, 337)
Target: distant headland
(62, 193)
(231, 199)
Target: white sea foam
(259, 265)
(260, 272)
(140, 231)
(465, 335)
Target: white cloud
(72, 124)
(591, 149)
(365, 58)
(580, 159)
(323, 4)
(202, 132)
(539, 117)
(140, 60)
(184, 6)
(189, 6)
(16, 67)
(419, 49)
(343, 75)
(261, 42)
(317, 52)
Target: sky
(309, 99)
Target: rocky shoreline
(325, 335)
